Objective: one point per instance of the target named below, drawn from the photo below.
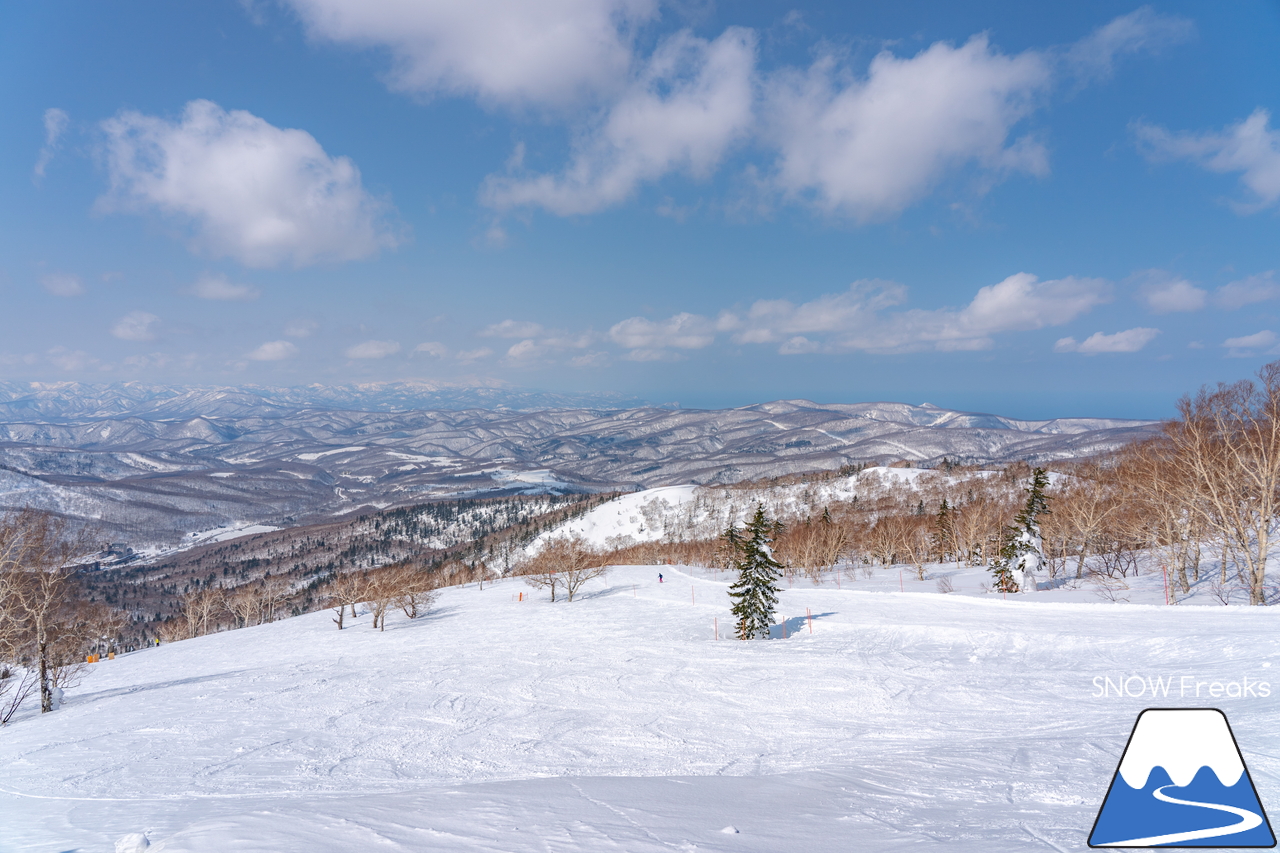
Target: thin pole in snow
(808, 614)
(715, 622)
(901, 588)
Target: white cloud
(1250, 147)
(526, 351)
(595, 358)
(654, 355)
(55, 124)
(1164, 293)
(772, 320)
(683, 331)
(75, 361)
(135, 326)
(62, 284)
(1130, 340)
(861, 319)
(301, 328)
(693, 100)
(867, 148)
(468, 356)
(251, 191)
(512, 52)
(1247, 291)
(1142, 30)
(435, 349)
(373, 349)
(273, 351)
(1250, 344)
(512, 329)
(219, 287)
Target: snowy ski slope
(619, 723)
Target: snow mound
(134, 842)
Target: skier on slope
(659, 577)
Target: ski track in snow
(617, 722)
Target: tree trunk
(46, 689)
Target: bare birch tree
(1227, 439)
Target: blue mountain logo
(1182, 782)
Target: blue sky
(984, 206)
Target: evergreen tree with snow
(945, 530)
(1022, 551)
(755, 592)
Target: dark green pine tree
(755, 592)
(944, 536)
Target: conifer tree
(755, 593)
(1022, 551)
(945, 535)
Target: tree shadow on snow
(78, 698)
(794, 625)
(404, 623)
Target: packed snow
(884, 721)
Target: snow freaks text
(1178, 687)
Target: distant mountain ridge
(71, 401)
(159, 462)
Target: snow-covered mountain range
(156, 462)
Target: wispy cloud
(1246, 346)
(62, 284)
(219, 287)
(1250, 147)
(1163, 292)
(55, 124)
(373, 349)
(136, 326)
(1249, 290)
(273, 351)
(1130, 340)
(862, 319)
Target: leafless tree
(416, 590)
(563, 563)
(37, 550)
(343, 591)
(1228, 440)
(200, 609)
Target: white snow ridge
(1181, 741)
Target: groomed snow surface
(905, 720)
